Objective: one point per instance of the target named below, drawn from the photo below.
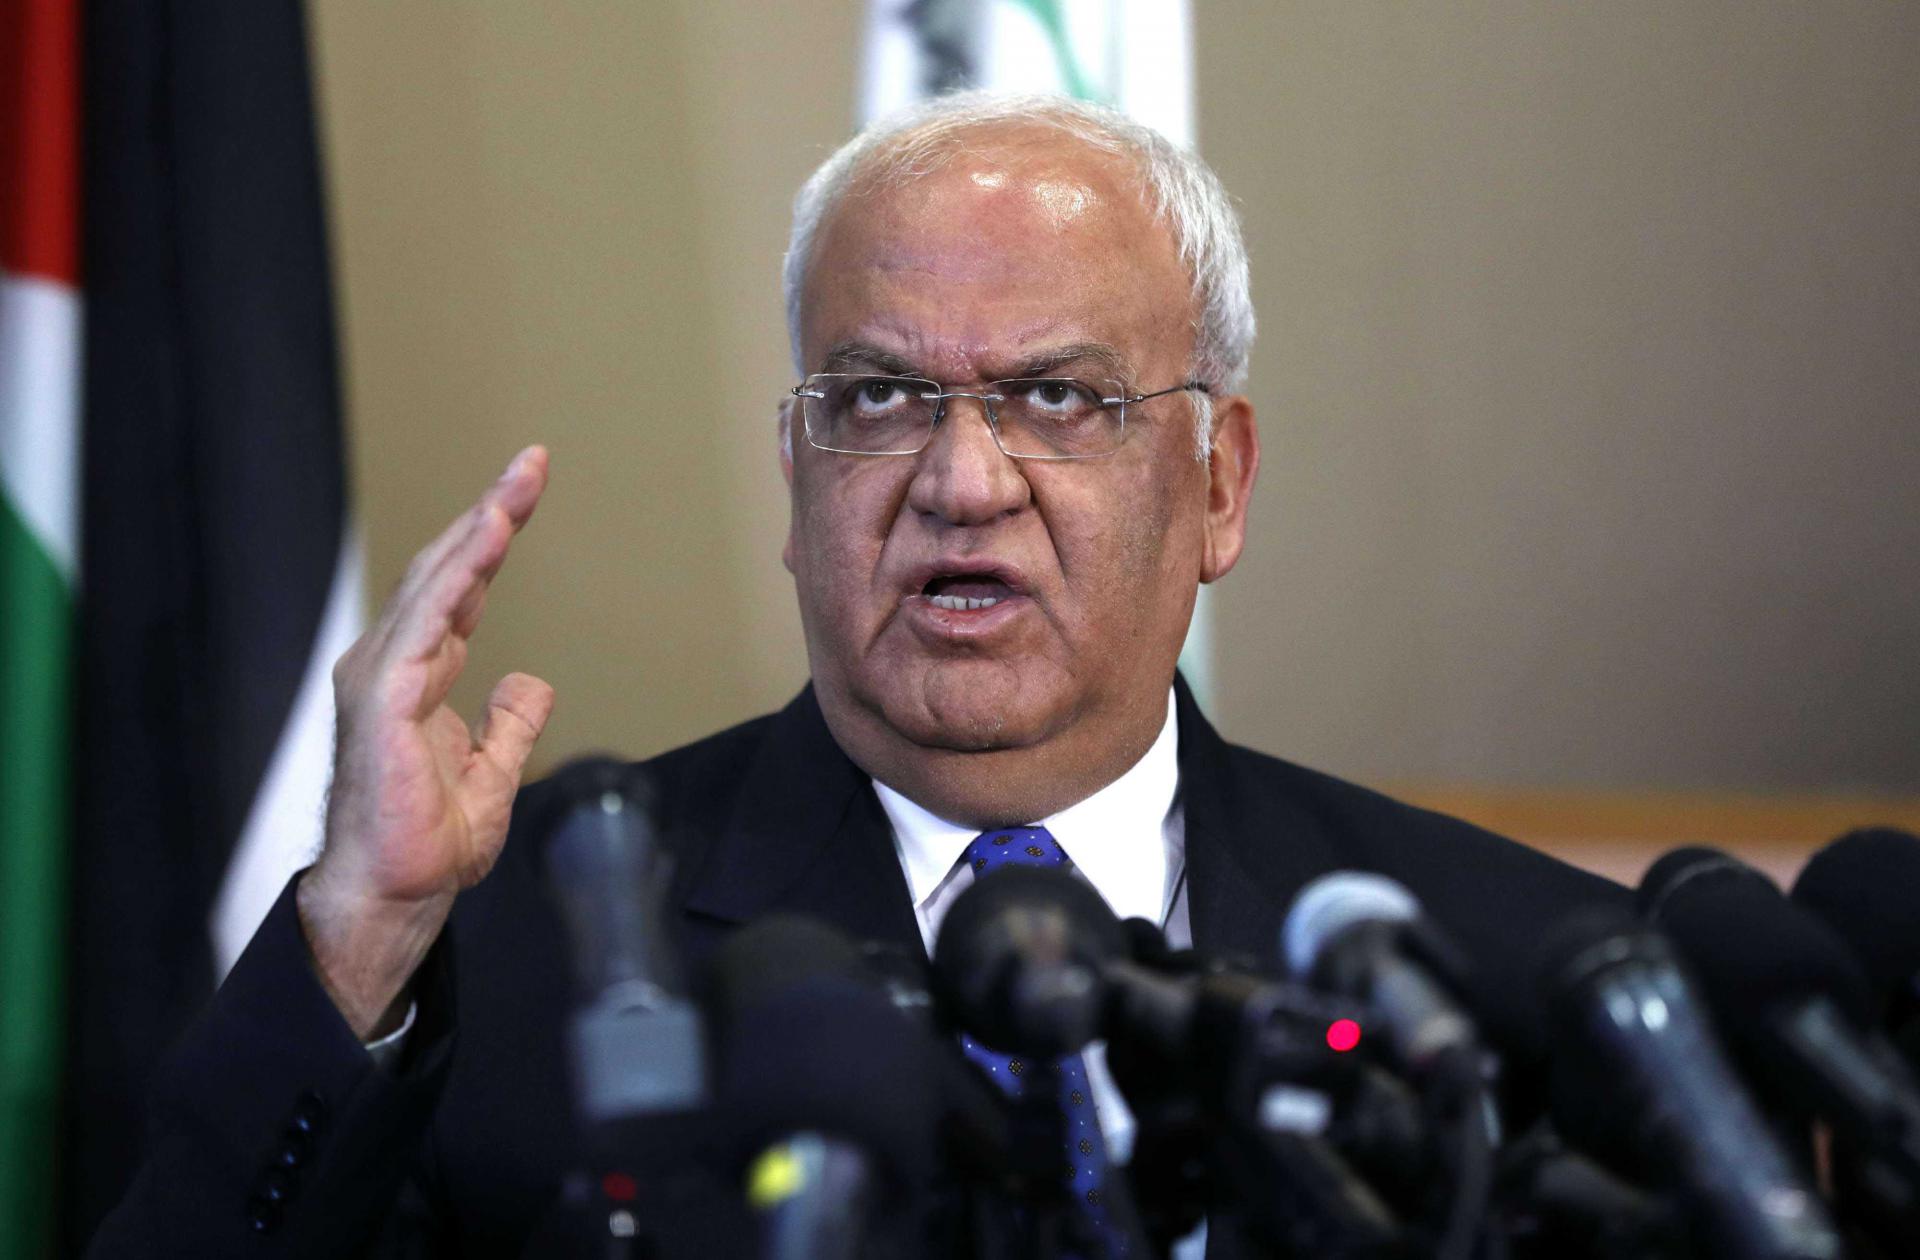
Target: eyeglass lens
(1049, 418)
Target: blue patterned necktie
(1086, 1163)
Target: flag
(222, 578)
(39, 554)
(1135, 55)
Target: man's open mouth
(966, 593)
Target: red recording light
(620, 1187)
(1343, 1035)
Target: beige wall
(1588, 369)
(1591, 374)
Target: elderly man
(1017, 451)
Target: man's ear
(1230, 476)
(783, 424)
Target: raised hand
(420, 803)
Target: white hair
(1180, 189)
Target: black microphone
(1866, 887)
(1790, 1000)
(1638, 1053)
(636, 1040)
(824, 1090)
(636, 1044)
(1031, 961)
(1362, 935)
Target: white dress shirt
(1128, 840)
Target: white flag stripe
(40, 412)
(1017, 54)
(287, 821)
(1154, 78)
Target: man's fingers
(512, 496)
(520, 487)
(449, 598)
(517, 712)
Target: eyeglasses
(1053, 417)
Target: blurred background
(1588, 377)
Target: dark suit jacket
(275, 1135)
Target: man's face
(1026, 256)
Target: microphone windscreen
(1146, 942)
(772, 954)
(833, 1056)
(1750, 947)
(1332, 904)
(808, 1042)
(1866, 887)
(1685, 868)
(1018, 958)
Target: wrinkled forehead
(995, 229)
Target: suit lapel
(806, 835)
(1249, 850)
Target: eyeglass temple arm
(1130, 399)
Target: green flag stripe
(35, 659)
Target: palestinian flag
(220, 580)
(1135, 55)
(39, 555)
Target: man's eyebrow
(1095, 354)
(1110, 364)
(861, 354)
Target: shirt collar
(1116, 837)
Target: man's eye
(877, 395)
(1060, 396)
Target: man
(1017, 450)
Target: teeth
(960, 603)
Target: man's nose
(962, 476)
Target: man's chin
(968, 706)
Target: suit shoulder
(684, 788)
(706, 769)
(692, 776)
(1435, 853)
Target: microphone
(824, 1093)
(636, 1045)
(1031, 961)
(1791, 1001)
(1020, 958)
(1628, 1028)
(1863, 887)
(1362, 935)
(1866, 887)
(636, 1041)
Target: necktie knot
(1014, 846)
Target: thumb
(517, 712)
